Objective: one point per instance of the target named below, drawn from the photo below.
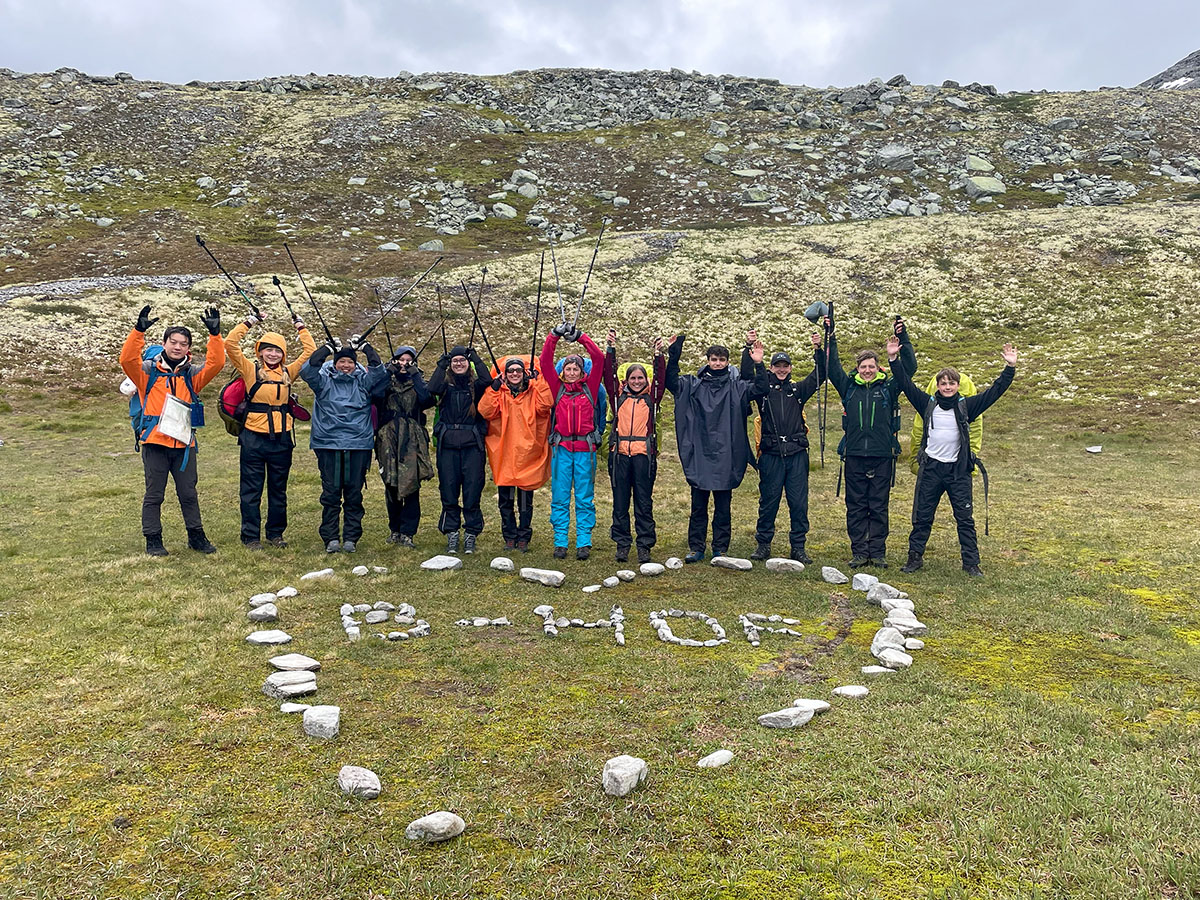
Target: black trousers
(868, 487)
(779, 475)
(523, 501)
(265, 460)
(722, 528)
(404, 513)
(632, 476)
(460, 469)
(934, 479)
(158, 463)
(343, 474)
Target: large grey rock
(523, 176)
(434, 246)
(359, 782)
(442, 563)
(886, 638)
(833, 576)
(389, 247)
(273, 636)
(894, 658)
(784, 565)
(622, 774)
(611, 581)
(503, 564)
(322, 721)
(288, 684)
(503, 211)
(817, 706)
(205, 183)
(906, 623)
(294, 662)
(863, 582)
(626, 574)
(977, 164)
(377, 616)
(548, 577)
(881, 590)
(715, 759)
(732, 562)
(268, 612)
(890, 603)
(853, 691)
(652, 568)
(262, 599)
(895, 158)
(437, 826)
(788, 717)
(1066, 123)
(983, 186)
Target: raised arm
(671, 378)
(837, 377)
(437, 381)
(908, 356)
(917, 397)
(546, 362)
(233, 348)
(610, 370)
(311, 370)
(308, 346)
(813, 379)
(659, 385)
(989, 395)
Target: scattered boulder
(434, 246)
(437, 826)
(895, 158)
(611, 581)
(979, 186)
(322, 721)
(359, 782)
(622, 774)
(1065, 123)
(293, 707)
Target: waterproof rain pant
(868, 487)
(572, 471)
(343, 474)
(460, 469)
(264, 460)
(777, 476)
(633, 477)
(722, 528)
(936, 478)
(522, 500)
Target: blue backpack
(142, 423)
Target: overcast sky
(1023, 44)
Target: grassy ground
(1043, 745)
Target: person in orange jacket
(156, 376)
(517, 408)
(266, 440)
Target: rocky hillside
(113, 176)
(1184, 75)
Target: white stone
(263, 599)
(503, 564)
(383, 604)
(544, 610)
(626, 574)
(652, 568)
(437, 826)
(442, 563)
(377, 616)
(832, 575)
(732, 562)
(911, 644)
(886, 638)
(288, 684)
(907, 625)
(379, 570)
(360, 571)
(715, 759)
(322, 721)
(363, 607)
(877, 670)
(353, 633)
(273, 636)
(548, 577)
(294, 662)
(892, 603)
(591, 588)
(286, 592)
(268, 612)
(320, 573)
(817, 706)
(611, 581)
(894, 659)
(293, 707)
(346, 609)
(788, 717)
(854, 691)
(783, 564)
(674, 562)
(359, 782)
(863, 582)
(622, 774)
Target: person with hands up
(459, 437)
(402, 444)
(342, 436)
(945, 458)
(156, 372)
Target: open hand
(212, 320)
(1009, 352)
(143, 320)
(757, 351)
(816, 339)
(893, 347)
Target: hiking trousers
(573, 472)
(343, 475)
(868, 488)
(404, 513)
(264, 460)
(523, 501)
(777, 476)
(722, 529)
(934, 479)
(460, 470)
(158, 463)
(632, 476)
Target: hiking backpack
(141, 423)
(234, 403)
(596, 437)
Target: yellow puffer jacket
(276, 384)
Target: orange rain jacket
(518, 438)
(277, 386)
(138, 371)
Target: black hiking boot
(560, 552)
(857, 562)
(583, 552)
(198, 542)
(523, 546)
(973, 571)
(469, 543)
(878, 561)
(622, 554)
(800, 556)
(154, 545)
(643, 555)
(278, 543)
(761, 552)
(915, 563)
(452, 543)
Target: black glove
(560, 329)
(477, 360)
(443, 361)
(497, 383)
(675, 349)
(371, 354)
(212, 320)
(319, 356)
(573, 334)
(143, 320)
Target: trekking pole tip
(275, 280)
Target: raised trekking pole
(304, 284)
(236, 287)
(537, 314)
(591, 265)
(362, 337)
(441, 326)
(286, 302)
(379, 300)
(479, 322)
(442, 316)
(562, 309)
(824, 418)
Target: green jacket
(870, 417)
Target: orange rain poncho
(518, 438)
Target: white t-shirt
(944, 437)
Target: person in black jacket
(783, 448)
(710, 430)
(945, 458)
(459, 433)
(870, 444)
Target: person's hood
(405, 349)
(878, 379)
(328, 368)
(272, 339)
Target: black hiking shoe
(560, 552)
(452, 543)
(915, 563)
(694, 557)
(154, 545)
(973, 571)
(198, 542)
(800, 556)
(510, 544)
(643, 555)
(878, 561)
(252, 545)
(583, 552)
(858, 562)
(622, 554)
(469, 543)
(761, 552)
(523, 546)
(278, 543)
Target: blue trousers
(572, 470)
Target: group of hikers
(534, 420)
